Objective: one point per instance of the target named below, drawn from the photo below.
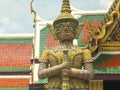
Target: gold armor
(76, 56)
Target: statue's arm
(86, 73)
(46, 72)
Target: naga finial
(33, 11)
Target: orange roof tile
(13, 83)
(51, 42)
(15, 55)
(113, 62)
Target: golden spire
(65, 13)
(66, 7)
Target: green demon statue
(67, 67)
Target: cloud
(7, 24)
(106, 3)
(2, 1)
(15, 16)
(2, 30)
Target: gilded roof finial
(33, 11)
(65, 14)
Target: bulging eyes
(68, 28)
(60, 28)
(65, 27)
(71, 28)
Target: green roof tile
(107, 70)
(16, 40)
(8, 69)
(90, 18)
(43, 81)
(80, 43)
(43, 35)
(102, 58)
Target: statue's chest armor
(74, 57)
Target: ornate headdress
(65, 14)
(63, 17)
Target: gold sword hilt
(65, 79)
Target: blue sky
(15, 15)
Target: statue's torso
(75, 57)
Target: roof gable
(108, 31)
(111, 39)
(111, 20)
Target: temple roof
(14, 84)
(111, 20)
(112, 62)
(15, 56)
(108, 14)
(15, 53)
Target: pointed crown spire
(65, 14)
(66, 7)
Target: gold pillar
(96, 84)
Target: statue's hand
(65, 65)
(66, 69)
(66, 72)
